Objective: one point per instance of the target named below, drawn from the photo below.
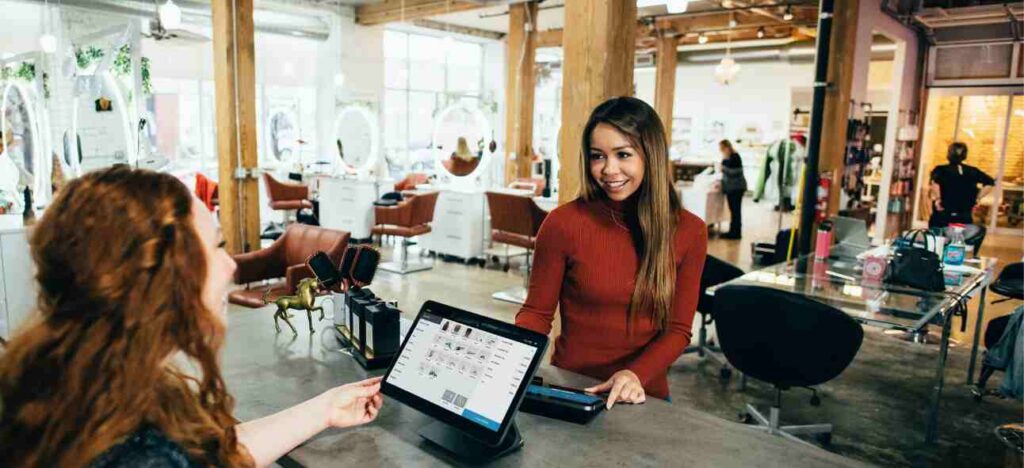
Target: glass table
(839, 282)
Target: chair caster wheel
(745, 417)
(815, 401)
(824, 439)
(725, 373)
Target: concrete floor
(878, 405)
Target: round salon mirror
(461, 134)
(357, 139)
(102, 123)
(282, 138)
(18, 115)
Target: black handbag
(916, 267)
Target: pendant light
(447, 42)
(339, 78)
(726, 71)
(170, 15)
(47, 41)
(676, 7)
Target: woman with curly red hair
(132, 278)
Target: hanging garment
(782, 160)
(1008, 354)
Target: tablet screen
(473, 373)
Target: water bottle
(956, 250)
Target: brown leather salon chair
(285, 258)
(409, 218)
(287, 196)
(529, 183)
(411, 181)
(515, 220)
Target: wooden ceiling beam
(549, 38)
(389, 11)
(776, 32)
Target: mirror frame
(374, 135)
(277, 163)
(439, 155)
(37, 125)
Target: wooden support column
(235, 78)
(599, 43)
(519, 89)
(665, 81)
(842, 50)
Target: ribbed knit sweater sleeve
(548, 272)
(673, 340)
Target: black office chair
(1010, 285)
(715, 272)
(786, 340)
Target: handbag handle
(912, 235)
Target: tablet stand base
(468, 449)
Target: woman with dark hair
(132, 278)
(734, 184)
(954, 189)
(622, 262)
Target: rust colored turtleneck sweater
(586, 264)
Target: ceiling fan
(166, 25)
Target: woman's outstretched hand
(353, 404)
(623, 386)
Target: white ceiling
(550, 16)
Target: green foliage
(87, 56)
(122, 63)
(22, 71)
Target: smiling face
(615, 164)
(220, 267)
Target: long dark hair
(120, 272)
(658, 205)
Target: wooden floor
(877, 404)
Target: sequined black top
(146, 448)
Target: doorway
(982, 118)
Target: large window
(423, 75)
(985, 123)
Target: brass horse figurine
(302, 300)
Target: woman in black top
(954, 189)
(734, 184)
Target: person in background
(119, 366)
(622, 263)
(956, 188)
(734, 184)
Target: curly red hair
(120, 271)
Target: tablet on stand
(469, 373)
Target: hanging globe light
(726, 71)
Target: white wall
(759, 98)
(903, 98)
